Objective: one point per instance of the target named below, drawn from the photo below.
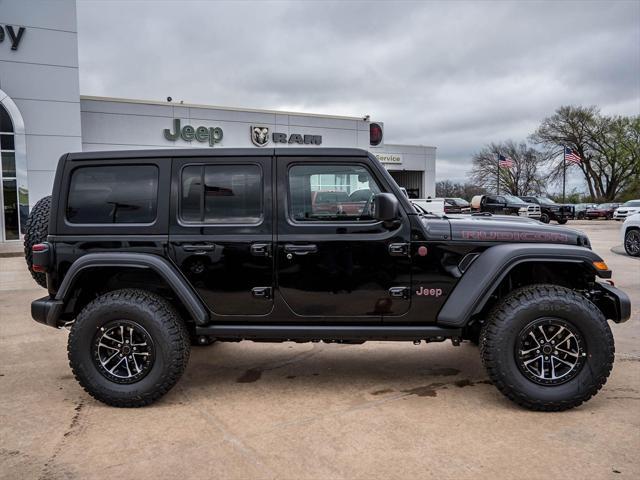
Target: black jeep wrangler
(146, 252)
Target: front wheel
(544, 218)
(632, 243)
(547, 348)
(127, 348)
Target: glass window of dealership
(43, 116)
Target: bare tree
(523, 178)
(609, 148)
(449, 189)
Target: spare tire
(36, 231)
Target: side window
(113, 194)
(221, 194)
(331, 193)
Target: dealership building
(43, 115)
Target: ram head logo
(259, 135)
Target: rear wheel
(127, 348)
(547, 348)
(632, 242)
(36, 231)
(562, 221)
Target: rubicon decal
(506, 236)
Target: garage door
(411, 180)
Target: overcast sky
(455, 75)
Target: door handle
(198, 247)
(261, 250)
(261, 292)
(301, 249)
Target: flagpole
(498, 184)
(564, 171)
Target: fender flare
(472, 291)
(162, 267)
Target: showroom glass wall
(14, 197)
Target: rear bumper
(614, 303)
(47, 311)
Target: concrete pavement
(298, 411)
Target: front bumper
(614, 303)
(47, 311)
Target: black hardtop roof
(217, 152)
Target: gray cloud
(456, 75)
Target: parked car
(505, 205)
(628, 208)
(550, 210)
(456, 205)
(604, 210)
(141, 259)
(630, 233)
(580, 209)
(429, 205)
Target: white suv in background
(626, 209)
(630, 234)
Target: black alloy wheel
(632, 243)
(123, 351)
(550, 351)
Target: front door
(221, 234)
(334, 260)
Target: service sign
(392, 158)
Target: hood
(512, 229)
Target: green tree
(609, 148)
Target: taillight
(40, 257)
(375, 134)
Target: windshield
(461, 202)
(545, 200)
(514, 199)
(604, 205)
(632, 203)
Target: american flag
(505, 162)
(571, 156)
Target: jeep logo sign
(212, 135)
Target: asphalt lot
(296, 411)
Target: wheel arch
(148, 265)
(484, 278)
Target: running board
(299, 333)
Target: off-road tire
(544, 218)
(523, 306)
(36, 231)
(167, 331)
(562, 221)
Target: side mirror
(385, 207)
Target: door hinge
(261, 292)
(399, 292)
(399, 249)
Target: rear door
(221, 234)
(334, 261)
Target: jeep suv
(144, 253)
